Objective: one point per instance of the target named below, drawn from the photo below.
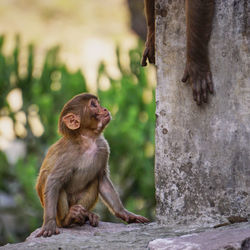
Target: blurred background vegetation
(36, 79)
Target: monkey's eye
(93, 104)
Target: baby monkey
(75, 170)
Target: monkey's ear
(72, 121)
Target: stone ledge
(151, 236)
(227, 238)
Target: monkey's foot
(149, 52)
(78, 214)
(93, 219)
(201, 80)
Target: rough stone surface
(227, 239)
(202, 166)
(119, 236)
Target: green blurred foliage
(130, 134)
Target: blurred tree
(131, 133)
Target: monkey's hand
(149, 52)
(78, 214)
(48, 229)
(130, 217)
(201, 79)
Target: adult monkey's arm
(149, 52)
(199, 17)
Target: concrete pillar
(202, 166)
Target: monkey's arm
(112, 200)
(149, 52)
(52, 188)
(199, 17)
(54, 183)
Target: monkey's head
(83, 113)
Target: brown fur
(75, 169)
(199, 17)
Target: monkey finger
(84, 213)
(45, 234)
(57, 231)
(144, 57)
(40, 233)
(194, 92)
(74, 214)
(198, 99)
(138, 220)
(78, 208)
(195, 95)
(185, 76)
(210, 82)
(80, 217)
(151, 57)
(90, 219)
(73, 209)
(211, 87)
(49, 233)
(144, 220)
(95, 221)
(151, 60)
(204, 90)
(141, 220)
(135, 219)
(198, 90)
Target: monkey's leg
(68, 215)
(62, 209)
(149, 52)
(88, 200)
(199, 17)
(78, 212)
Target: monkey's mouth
(100, 116)
(107, 117)
(104, 118)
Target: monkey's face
(99, 116)
(83, 114)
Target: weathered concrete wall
(202, 165)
